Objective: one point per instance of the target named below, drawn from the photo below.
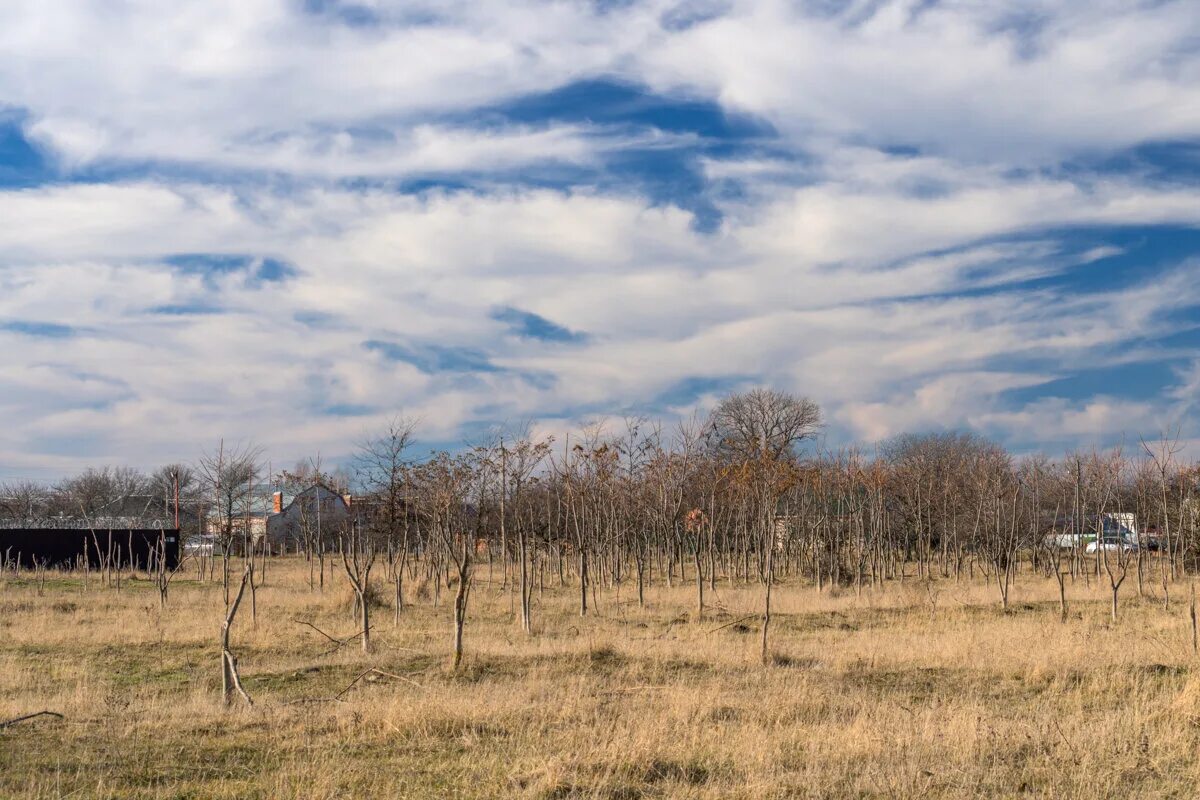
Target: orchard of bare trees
(744, 496)
(588, 612)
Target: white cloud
(262, 83)
(660, 302)
(1017, 82)
(880, 281)
(234, 82)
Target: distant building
(252, 522)
(315, 514)
(66, 543)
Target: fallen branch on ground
(361, 675)
(397, 677)
(338, 644)
(35, 715)
(735, 622)
(315, 628)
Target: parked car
(1112, 543)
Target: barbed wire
(92, 523)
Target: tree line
(743, 495)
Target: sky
(287, 221)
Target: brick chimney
(277, 502)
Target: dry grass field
(913, 690)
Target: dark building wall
(62, 547)
(316, 508)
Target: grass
(903, 691)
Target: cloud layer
(287, 221)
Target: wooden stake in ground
(229, 672)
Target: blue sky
(287, 220)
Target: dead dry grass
(901, 692)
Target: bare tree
(997, 529)
(358, 552)
(671, 473)
(159, 570)
(763, 424)
(1046, 481)
(103, 492)
(230, 677)
(756, 433)
(444, 486)
(227, 477)
(1162, 454)
(310, 527)
(26, 500)
(174, 487)
(383, 464)
(1104, 474)
(517, 468)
